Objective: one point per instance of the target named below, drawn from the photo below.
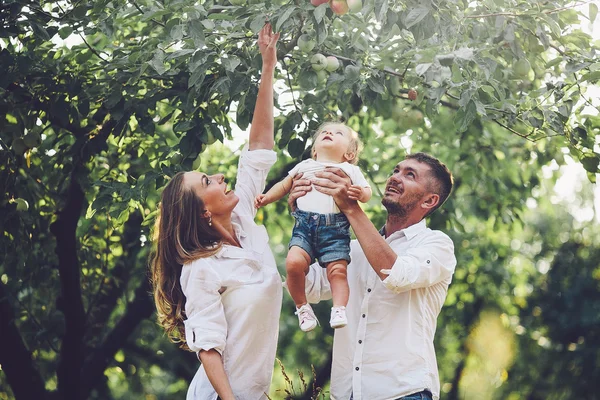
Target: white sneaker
(307, 318)
(338, 317)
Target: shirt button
(428, 261)
(360, 341)
(357, 368)
(369, 290)
(364, 315)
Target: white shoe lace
(306, 313)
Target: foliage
(102, 101)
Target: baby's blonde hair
(355, 145)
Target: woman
(215, 281)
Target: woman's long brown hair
(181, 235)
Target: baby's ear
(349, 155)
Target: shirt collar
(409, 232)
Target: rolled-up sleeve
(206, 326)
(424, 265)
(316, 284)
(252, 172)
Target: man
(398, 280)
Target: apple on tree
(318, 62)
(332, 63)
(412, 94)
(339, 7)
(321, 76)
(19, 146)
(354, 5)
(521, 68)
(317, 3)
(22, 204)
(306, 43)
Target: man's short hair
(442, 181)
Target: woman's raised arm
(261, 130)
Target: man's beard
(400, 210)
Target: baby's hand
(258, 201)
(355, 192)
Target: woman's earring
(209, 220)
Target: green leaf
(257, 23)
(65, 32)
(176, 32)
(554, 62)
(221, 86)
(375, 85)
(381, 9)
(179, 53)
(196, 31)
(183, 126)
(593, 12)
(465, 116)
(308, 79)
(39, 30)
(158, 62)
(296, 147)
(352, 73)
(415, 16)
(590, 163)
(591, 77)
(422, 68)
(320, 11)
(284, 17)
(197, 77)
(230, 63)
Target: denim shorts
(325, 237)
(424, 395)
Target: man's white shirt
(386, 350)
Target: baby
(321, 231)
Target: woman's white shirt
(233, 298)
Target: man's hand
(334, 182)
(299, 188)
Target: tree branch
(138, 310)
(16, 360)
(70, 301)
(105, 300)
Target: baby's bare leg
(296, 265)
(338, 279)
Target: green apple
(318, 62)
(354, 5)
(332, 64)
(32, 139)
(306, 43)
(322, 76)
(176, 158)
(521, 68)
(22, 204)
(19, 146)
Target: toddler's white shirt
(315, 201)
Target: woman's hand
(299, 188)
(267, 44)
(334, 182)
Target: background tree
(102, 101)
